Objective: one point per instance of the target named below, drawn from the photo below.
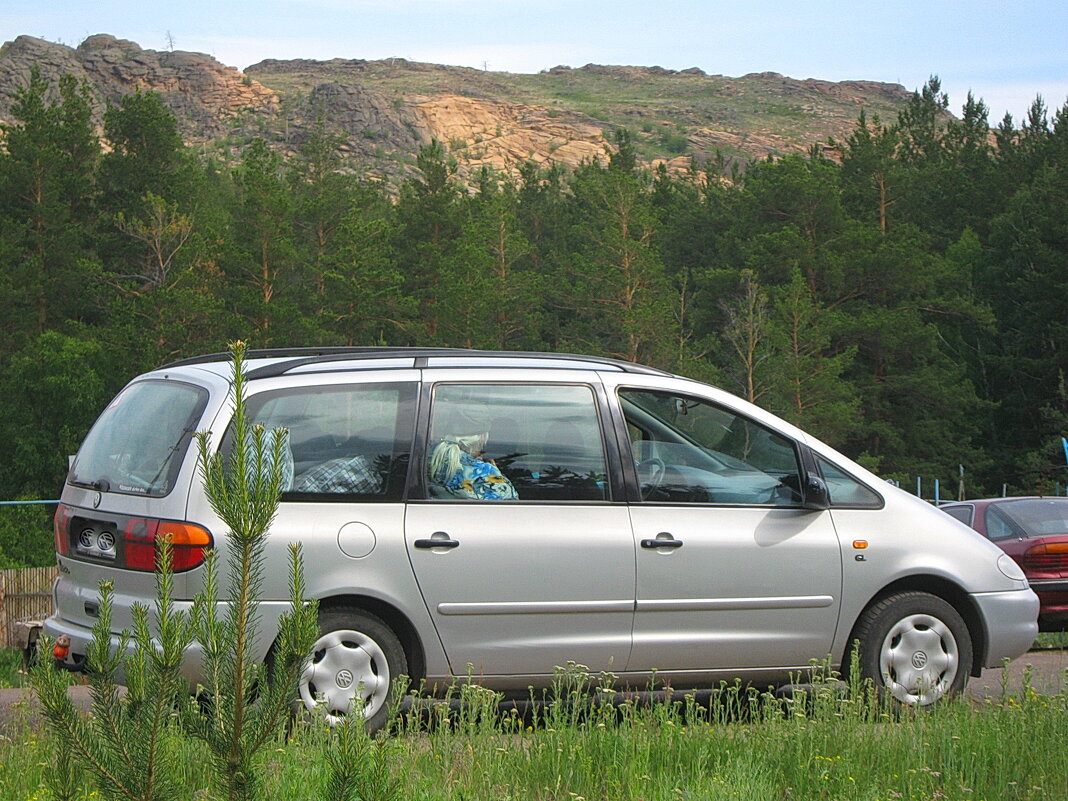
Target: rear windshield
(1039, 517)
(138, 443)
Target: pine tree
(429, 226)
(490, 298)
(46, 171)
(618, 299)
(272, 277)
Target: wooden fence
(25, 593)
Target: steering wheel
(650, 475)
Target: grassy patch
(1051, 640)
(11, 674)
(742, 745)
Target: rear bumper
(1049, 585)
(268, 614)
(1011, 622)
(1053, 595)
(80, 637)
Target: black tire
(915, 647)
(355, 650)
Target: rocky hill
(384, 110)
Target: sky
(1004, 53)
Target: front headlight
(1008, 566)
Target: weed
(602, 743)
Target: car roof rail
(300, 357)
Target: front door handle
(439, 539)
(663, 540)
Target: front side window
(515, 442)
(139, 442)
(345, 442)
(688, 450)
(844, 490)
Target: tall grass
(1051, 641)
(587, 741)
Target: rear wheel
(353, 666)
(916, 647)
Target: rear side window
(138, 444)
(1033, 517)
(349, 442)
(962, 513)
(516, 442)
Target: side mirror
(817, 497)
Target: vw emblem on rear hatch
(97, 497)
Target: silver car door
(732, 572)
(520, 585)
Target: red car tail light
(60, 527)
(1046, 556)
(188, 543)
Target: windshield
(1038, 517)
(138, 443)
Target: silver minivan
(496, 515)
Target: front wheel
(916, 647)
(353, 667)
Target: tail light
(188, 544)
(1046, 556)
(129, 542)
(60, 528)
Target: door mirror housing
(817, 497)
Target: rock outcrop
(382, 111)
(204, 94)
(504, 135)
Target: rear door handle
(663, 540)
(439, 539)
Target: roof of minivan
(279, 361)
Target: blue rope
(24, 503)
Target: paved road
(1048, 675)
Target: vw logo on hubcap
(919, 659)
(344, 679)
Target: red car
(1034, 532)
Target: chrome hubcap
(919, 660)
(347, 673)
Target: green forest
(900, 294)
